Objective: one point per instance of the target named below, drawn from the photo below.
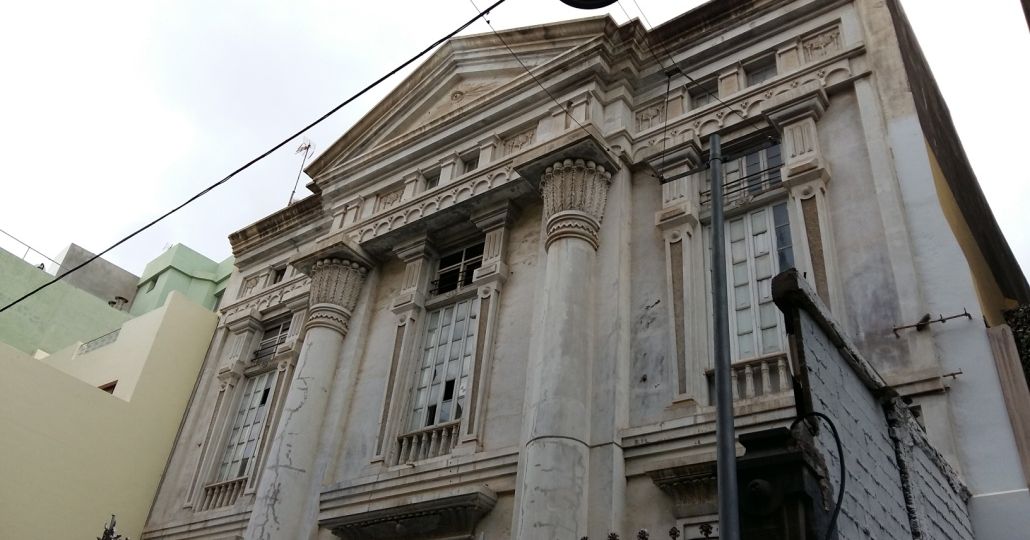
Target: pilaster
(806, 175)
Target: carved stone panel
(519, 141)
(650, 117)
(821, 45)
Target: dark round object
(588, 4)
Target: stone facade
(491, 320)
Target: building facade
(492, 318)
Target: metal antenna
(305, 147)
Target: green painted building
(181, 269)
(53, 318)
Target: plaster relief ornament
(519, 141)
(457, 96)
(389, 200)
(650, 117)
(822, 45)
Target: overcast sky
(113, 111)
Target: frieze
(517, 142)
(650, 117)
(389, 200)
(438, 200)
(746, 105)
(821, 45)
(269, 298)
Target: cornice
(303, 212)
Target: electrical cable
(521, 63)
(260, 156)
(840, 457)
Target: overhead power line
(261, 156)
(525, 67)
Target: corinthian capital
(574, 192)
(335, 286)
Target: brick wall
(898, 486)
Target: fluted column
(288, 478)
(553, 497)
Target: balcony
(221, 494)
(761, 378)
(428, 443)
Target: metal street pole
(725, 437)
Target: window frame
(765, 66)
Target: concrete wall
(181, 269)
(54, 318)
(74, 455)
(101, 278)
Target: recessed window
(760, 71)
(432, 179)
(251, 414)
(274, 336)
(444, 364)
(278, 275)
(703, 94)
(470, 162)
(457, 268)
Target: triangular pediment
(464, 73)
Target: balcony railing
(222, 494)
(758, 378)
(428, 443)
(742, 190)
(101, 341)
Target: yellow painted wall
(70, 454)
(992, 301)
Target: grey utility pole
(725, 437)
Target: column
(288, 480)
(553, 487)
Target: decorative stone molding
(335, 286)
(494, 222)
(518, 141)
(416, 254)
(388, 200)
(795, 113)
(575, 192)
(692, 487)
(821, 45)
(269, 298)
(455, 516)
(650, 117)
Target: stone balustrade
(758, 378)
(428, 443)
(221, 494)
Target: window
(274, 336)
(758, 246)
(470, 162)
(760, 71)
(432, 179)
(278, 275)
(456, 269)
(703, 93)
(242, 443)
(749, 174)
(445, 359)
